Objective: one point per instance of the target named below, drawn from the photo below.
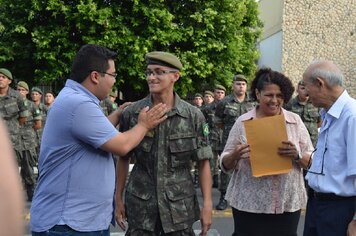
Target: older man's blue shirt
(337, 142)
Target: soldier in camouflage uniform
(108, 105)
(28, 141)
(160, 197)
(305, 109)
(227, 111)
(36, 96)
(198, 100)
(208, 97)
(215, 133)
(14, 111)
(308, 112)
(49, 99)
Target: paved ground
(222, 220)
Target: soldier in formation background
(14, 111)
(226, 113)
(215, 133)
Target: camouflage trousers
(26, 171)
(224, 182)
(159, 231)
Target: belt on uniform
(326, 196)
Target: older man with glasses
(331, 209)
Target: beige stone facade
(318, 29)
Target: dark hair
(90, 57)
(267, 76)
(51, 92)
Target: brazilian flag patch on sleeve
(206, 129)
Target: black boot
(215, 181)
(222, 205)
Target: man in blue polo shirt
(75, 190)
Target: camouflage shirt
(160, 184)
(13, 106)
(228, 110)
(108, 106)
(215, 133)
(309, 114)
(43, 112)
(28, 134)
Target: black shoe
(222, 205)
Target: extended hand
(150, 118)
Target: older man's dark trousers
(328, 214)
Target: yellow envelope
(264, 136)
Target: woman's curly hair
(266, 76)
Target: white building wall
(271, 52)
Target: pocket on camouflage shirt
(182, 147)
(181, 199)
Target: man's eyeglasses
(323, 158)
(113, 75)
(322, 164)
(102, 72)
(158, 72)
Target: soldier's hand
(205, 219)
(150, 118)
(120, 215)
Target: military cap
(240, 78)
(36, 89)
(301, 82)
(164, 59)
(23, 84)
(220, 87)
(113, 93)
(209, 93)
(198, 95)
(6, 72)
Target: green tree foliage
(215, 39)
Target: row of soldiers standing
(222, 111)
(24, 120)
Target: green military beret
(220, 87)
(208, 92)
(113, 93)
(301, 82)
(164, 59)
(23, 84)
(6, 72)
(198, 95)
(240, 78)
(36, 89)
